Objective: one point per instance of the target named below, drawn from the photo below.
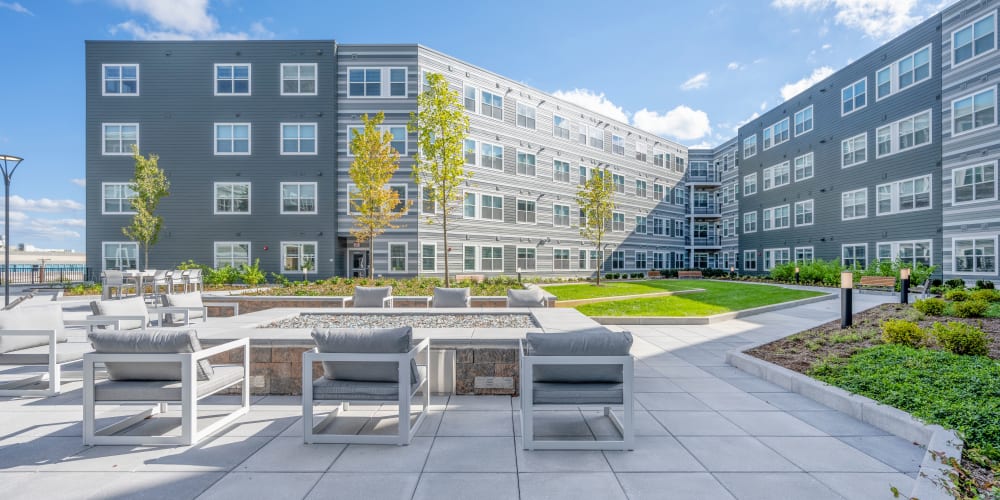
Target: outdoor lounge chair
(34, 336)
(159, 367)
(370, 296)
(451, 297)
(116, 280)
(194, 305)
(577, 368)
(132, 313)
(365, 365)
(530, 297)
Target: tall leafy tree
(150, 185)
(596, 198)
(375, 205)
(439, 166)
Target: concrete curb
(614, 298)
(894, 421)
(705, 320)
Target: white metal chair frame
(405, 433)
(190, 434)
(54, 372)
(626, 427)
(159, 312)
(348, 301)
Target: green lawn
(718, 297)
(618, 288)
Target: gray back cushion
(149, 342)
(192, 299)
(125, 307)
(364, 340)
(582, 343)
(48, 317)
(450, 297)
(371, 296)
(531, 297)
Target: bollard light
(796, 275)
(846, 291)
(904, 285)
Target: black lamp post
(8, 171)
(904, 286)
(796, 275)
(846, 307)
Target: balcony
(711, 178)
(710, 242)
(712, 210)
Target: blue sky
(689, 71)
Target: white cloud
(733, 66)
(44, 205)
(16, 7)
(826, 46)
(594, 102)
(696, 82)
(878, 19)
(763, 105)
(79, 182)
(180, 20)
(790, 90)
(681, 122)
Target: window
(297, 256)
(560, 215)
(491, 155)
(560, 259)
(775, 218)
(232, 253)
(679, 195)
(617, 144)
(678, 228)
(298, 197)
(750, 222)
(729, 227)
(658, 226)
(397, 258)
(749, 184)
(640, 151)
(298, 138)
(972, 184)
(909, 252)
(469, 258)
(903, 196)
(120, 255)
(427, 203)
(581, 133)
(974, 112)
(974, 39)
(729, 193)
(640, 188)
(803, 254)
(803, 167)
(854, 255)
(640, 260)
(905, 134)
(617, 222)
(428, 257)
(776, 134)
(560, 171)
(354, 200)
(853, 96)
(976, 255)
(640, 224)
(776, 176)
(232, 197)
(661, 159)
(804, 213)
(525, 163)
(909, 70)
(376, 82)
(618, 259)
(525, 116)
(492, 105)
(232, 79)
(583, 175)
(803, 121)
(659, 262)
(854, 151)
(593, 262)
(596, 136)
(583, 217)
(749, 260)
(120, 79)
(525, 259)
(560, 127)
(470, 152)
(750, 146)
(619, 183)
(658, 192)
(117, 198)
(469, 98)
(120, 137)
(774, 257)
(298, 79)
(491, 259)
(232, 138)
(398, 133)
(525, 212)
(491, 207)
(854, 204)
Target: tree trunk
(145, 250)
(444, 231)
(599, 262)
(371, 258)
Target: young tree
(597, 202)
(374, 204)
(149, 185)
(439, 166)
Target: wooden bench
(478, 278)
(654, 274)
(887, 283)
(689, 275)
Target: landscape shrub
(956, 295)
(969, 308)
(932, 306)
(826, 272)
(225, 275)
(252, 275)
(955, 283)
(897, 331)
(961, 338)
(985, 295)
(984, 284)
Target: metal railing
(707, 209)
(35, 274)
(710, 241)
(713, 177)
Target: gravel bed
(414, 320)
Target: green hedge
(827, 272)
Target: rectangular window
(854, 151)
(397, 258)
(297, 256)
(120, 137)
(973, 39)
(617, 145)
(854, 255)
(492, 105)
(640, 151)
(618, 259)
(803, 121)
(750, 222)
(120, 79)
(298, 197)
(774, 257)
(658, 226)
(469, 258)
(560, 127)
(659, 161)
(525, 163)
(470, 152)
(232, 79)
(427, 203)
(749, 184)
(560, 215)
(491, 259)
(560, 259)
(298, 138)
(776, 176)
(525, 212)
(974, 112)
(775, 218)
(596, 136)
(750, 146)
(232, 197)
(803, 167)
(640, 260)
(617, 222)
(976, 183)
(120, 255)
(525, 116)
(854, 97)
(803, 254)
(776, 134)
(910, 252)
(729, 193)
(581, 133)
(749, 260)
(428, 257)
(560, 171)
(298, 79)
(679, 196)
(912, 131)
(658, 192)
(976, 255)
(640, 188)
(525, 259)
(232, 253)
(469, 98)
(904, 73)
(232, 138)
(659, 262)
(491, 155)
(398, 133)
(619, 183)
(117, 198)
(491, 207)
(640, 224)
(804, 213)
(903, 196)
(854, 204)
(678, 229)
(376, 82)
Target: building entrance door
(357, 261)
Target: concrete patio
(705, 431)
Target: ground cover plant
(578, 291)
(400, 287)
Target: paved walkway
(705, 431)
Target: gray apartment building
(892, 157)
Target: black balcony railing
(705, 241)
(713, 177)
(35, 274)
(706, 209)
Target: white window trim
(569, 258)
(794, 213)
(895, 196)
(772, 128)
(769, 263)
(856, 217)
(954, 241)
(281, 199)
(476, 264)
(646, 224)
(747, 177)
(281, 138)
(773, 219)
(620, 139)
(996, 186)
(867, 255)
(535, 202)
(479, 206)
(601, 131)
(104, 80)
(388, 257)
(103, 199)
(281, 79)
(215, 251)
(755, 222)
(215, 79)
(475, 93)
(519, 104)
(851, 86)
(795, 251)
(852, 138)
(968, 25)
(811, 126)
(381, 128)
(503, 255)
(624, 223)
(215, 138)
(519, 248)
(746, 258)
(420, 265)
(519, 152)
(972, 96)
(437, 208)
(483, 103)
(774, 168)
(402, 201)
(645, 259)
(385, 84)
(475, 151)
(104, 126)
(812, 166)
(894, 134)
(894, 73)
(894, 251)
(215, 199)
(569, 173)
(569, 216)
(503, 152)
(314, 270)
(104, 257)
(745, 155)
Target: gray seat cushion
(149, 342)
(48, 317)
(531, 297)
(325, 389)
(125, 307)
(450, 297)
(39, 355)
(371, 296)
(364, 340)
(584, 343)
(188, 300)
(164, 390)
(555, 393)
